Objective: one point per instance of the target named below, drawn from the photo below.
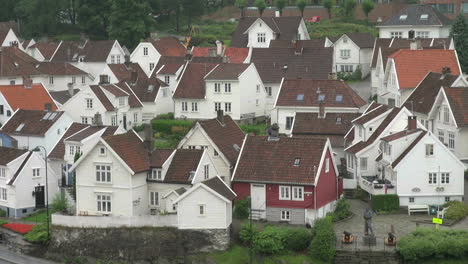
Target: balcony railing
(374, 185)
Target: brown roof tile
(305, 93)
(371, 114)
(114, 90)
(332, 124)
(458, 100)
(59, 68)
(58, 152)
(130, 149)
(183, 162)
(363, 40)
(91, 51)
(132, 98)
(168, 46)
(191, 84)
(17, 63)
(227, 71)
(47, 49)
(9, 154)
(224, 136)
(262, 160)
(89, 131)
(311, 43)
(217, 185)
(97, 90)
(413, 13)
(159, 156)
(32, 122)
(400, 134)
(408, 149)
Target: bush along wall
(385, 202)
(322, 246)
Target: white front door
(258, 200)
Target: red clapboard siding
(272, 197)
(327, 183)
(242, 189)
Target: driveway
(362, 88)
(10, 257)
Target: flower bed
(19, 228)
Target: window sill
(103, 183)
(285, 199)
(298, 200)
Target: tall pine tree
(459, 33)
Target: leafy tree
(328, 4)
(93, 16)
(241, 4)
(6, 13)
(280, 4)
(192, 8)
(349, 6)
(301, 4)
(261, 5)
(130, 21)
(459, 33)
(40, 17)
(367, 7)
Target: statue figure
(368, 222)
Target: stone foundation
(368, 257)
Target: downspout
(315, 197)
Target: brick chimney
(298, 47)
(133, 77)
(412, 123)
(321, 110)
(97, 119)
(149, 142)
(446, 70)
(273, 132)
(220, 117)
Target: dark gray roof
(363, 40)
(217, 185)
(413, 17)
(62, 96)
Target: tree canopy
(367, 7)
(459, 33)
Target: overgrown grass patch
(38, 217)
(38, 234)
(259, 129)
(2, 222)
(336, 28)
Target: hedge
(168, 127)
(457, 210)
(427, 244)
(342, 211)
(322, 246)
(385, 202)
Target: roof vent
(403, 17)
(424, 17)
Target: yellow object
(437, 221)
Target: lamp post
(38, 149)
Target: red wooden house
(290, 179)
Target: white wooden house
(8, 38)
(353, 50)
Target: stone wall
(149, 244)
(16, 243)
(368, 257)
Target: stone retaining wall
(368, 257)
(16, 243)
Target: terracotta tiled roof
(191, 84)
(408, 149)
(361, 144)
(9, 154)
(47, 49)
(363, 40)
(58, 152)
(236, 55)
(97, 90)
(312, 63)
(159, 156)
(413, 65)
(224, 136)
(31, 122)
(227, 71)
(332, 124)
(285, 27)
(401, 134)
(59, 68)
(130, 149)
(183, 162)
(371, 114)
(413, 17)
(305, 93)
(34, 98)
(458, 100)
(217, 185)
(311, 43)
(168, 46)
(262, 160)
(423, 97)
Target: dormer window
(424, 17)
(339, 98)
(121, 101)
(81, 59)
(297, 161)
(156, 174)
(403, 17)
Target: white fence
(169, 220)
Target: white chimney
(277, 13)
(219, 48)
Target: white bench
(418, 208)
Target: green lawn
(38, 217)
(259, 129)
(2, 222)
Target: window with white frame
(327, 164)
(445, 177)
(135, 117)
(396, 34)
(112, 59)
(447, 199)
(345, 53)
(289, 122)
(298, 193)
(411, 199)
(83, 79)
(350, 161)
(268, 90)
(114, 120)
(36, 172)
(167, 79)
(206, 171)
(84, 120)
(103, 173)
(51, 80)
(154, 198)
(73, 79)
(227, 107)
(184, 106)
(285, 215)
(346, 68)
(118, 59)
(145, 51)
(89, 103)
(227, 87)
(2, 172)
(261, 37)
(151, 66)
(217, 87)
(285, 193)
(194, 107)
(451, 140)
(363, 163)
(446, 115)
(441, 135)
(71, 150)
(156, 174)
(121, 101)
(104, 203)
(432, 178)
(217, 106)
(429, 149)
(422, 34)
(102, 151)
(3, 194)
(202, 209)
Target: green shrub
(169, 116)
(2, 222)
(247, 233)
(342, 210)
(166, 126)
(259, 129)
(457, 210)
(241, 208)
(38, 234)
(428, 244)
(385, 202)
(322, 246)
(297, 239)
(270, 241)
(2, 213)
(60, 203)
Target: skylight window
(300, 97)
(338, 120)
(321, 97)
(53, 115)
(19, 127)
(47, 115)
(339, 98)
(403, 17)
(297, 161)
(424, 17)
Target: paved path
(9, 257)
